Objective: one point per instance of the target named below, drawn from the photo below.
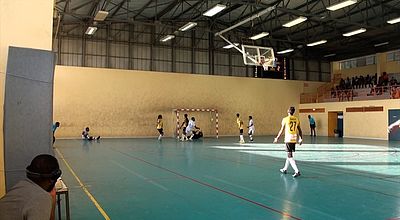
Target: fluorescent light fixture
(295, 22)
(284, 51)
(260, 35)
(214, 10)
(188, 26)
(90, 30)
(101, 15)
(394, 21)
(381, 44)
(229, 46)
(359, 31)
(317, 43)
(341, 5)
(330, 55)
(167, 38)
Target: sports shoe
(283, 171)
(296, 175)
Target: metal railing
(376, 92)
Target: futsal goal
(207, 122)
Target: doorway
(335, 124)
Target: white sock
(251, 137)
(293, 163)
(159, 137)
(241, 137)
(286, 164)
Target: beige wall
(356, 124)
(23, 23)
(393, 67)
(126, 103)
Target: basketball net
(263, 63)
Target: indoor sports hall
(191, 109)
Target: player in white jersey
(395, 124)
(251, 128)
(189, 129)
(291, 124)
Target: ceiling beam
(81, 5)
(188, 9)
(143, 8)
(118, 8)
(166, 9)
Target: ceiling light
(167, 38)
(317, 43)
(230, 46)
(188, 26)
(330, 55)
(295, 21)
(90, 30)
(381, 44)
(359, 31)
(341, 5)
(101, 15)
(284, 51)
(394, 21)
(260, 35)
(214, 10)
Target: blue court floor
(221, 179)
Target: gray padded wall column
(28, 109)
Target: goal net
(206, 120)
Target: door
(394, 115)
(332, 123)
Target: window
(358, 62)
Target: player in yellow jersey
(293, 133)
(160, 126)
(240, 126)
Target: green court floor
(220, 179)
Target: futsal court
(104, 86)
(220, 179)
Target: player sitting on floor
(86, 136)
(197, 134)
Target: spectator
(361, 82)
(393, 81)
(33, 197)
(368, 81)
(333, 93)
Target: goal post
(180, 111)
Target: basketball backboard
(258, 56)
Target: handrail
(349, 94)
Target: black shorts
(184, 130)
(241, 131)
(312, 125)
(161, 131)
(290, 147)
